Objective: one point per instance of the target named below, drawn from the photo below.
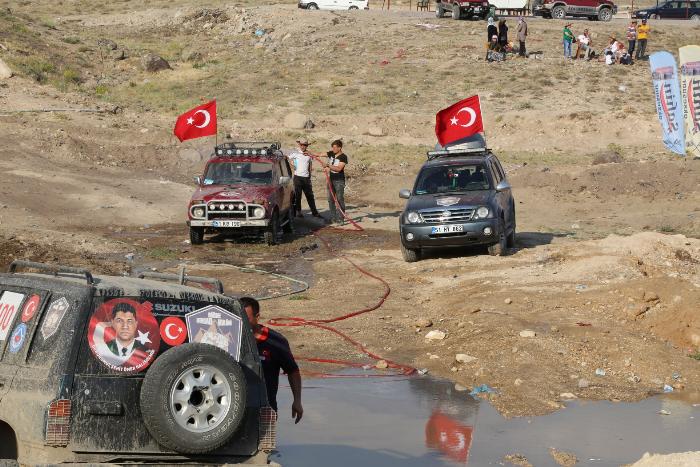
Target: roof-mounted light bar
(457, 152)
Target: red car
(245, 188)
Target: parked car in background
(676, 9)
(334, 4)
(459, 9)
(602, 10)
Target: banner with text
(690, 94)
(664, 76)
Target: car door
(326, 4)
(286, 185)
(502, 197)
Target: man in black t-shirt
(335, 167)
(275, 355)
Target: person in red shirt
(275, 355)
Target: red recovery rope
(323, 323)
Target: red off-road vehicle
(602, 10)
(462, 8)
(246, 188)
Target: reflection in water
(445, 435)
(424, 422)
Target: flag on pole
(198, 122)
(690, 95)
(664, 76)
(459, 121)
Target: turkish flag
(198, 122)
(459, 121)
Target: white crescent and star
(166, 331)
(472, 117)
(207, 118)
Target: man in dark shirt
(335, 167)
(275, 355)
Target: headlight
(222, 207)
(198, 212)
(259, 213)
(212, 207)
(231, 206)
(413, 217)
(482, 212)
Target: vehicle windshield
(452, 178)
(229, 173)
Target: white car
(334, 4)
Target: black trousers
(522, 50)
(303, 185)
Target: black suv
(121, 369)
(461, 197)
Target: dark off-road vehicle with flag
(459, 9)
(246, 188)
(97, 369)
(461, 197)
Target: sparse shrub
(71, 40)
(71, 76)
(101, 90)
(38, 69)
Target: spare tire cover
(193, 398)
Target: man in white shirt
(301, 160)
(584, 44)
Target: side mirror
(503, 185)
(197, 180)
(284, 180)
(405, 194)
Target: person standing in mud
(275, 355)
(335, 168)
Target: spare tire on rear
(193, 398)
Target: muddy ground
(606, 272)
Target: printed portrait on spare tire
(124, 335)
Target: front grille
(226, 215)
(240, 208)
(447, 216)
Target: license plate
(441, 229)
(226, 223)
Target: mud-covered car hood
(450, 200)
(243, 192)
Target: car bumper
(217, 225)
(637, 15)
(473, 234)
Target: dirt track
(87, 189)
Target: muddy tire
(312, 6)
(510, 240)
(196, 235)
(500, 248)
(456, 11)
(605, 14)
(272, 231)
(558, 12)
(439, 11)
(289, 226)
(410, 255)
(193, 398)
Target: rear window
(125, 334)
(35, 325)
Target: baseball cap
(303, 141)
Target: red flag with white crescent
(198, 122)
(459, 121)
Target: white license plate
(441, 229)
(226, 223)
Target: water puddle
(425, 422)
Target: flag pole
(482, 119)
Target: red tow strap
(323, 323)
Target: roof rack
(182, 278)
(52, 268)
(246, 148)
(453, 152)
